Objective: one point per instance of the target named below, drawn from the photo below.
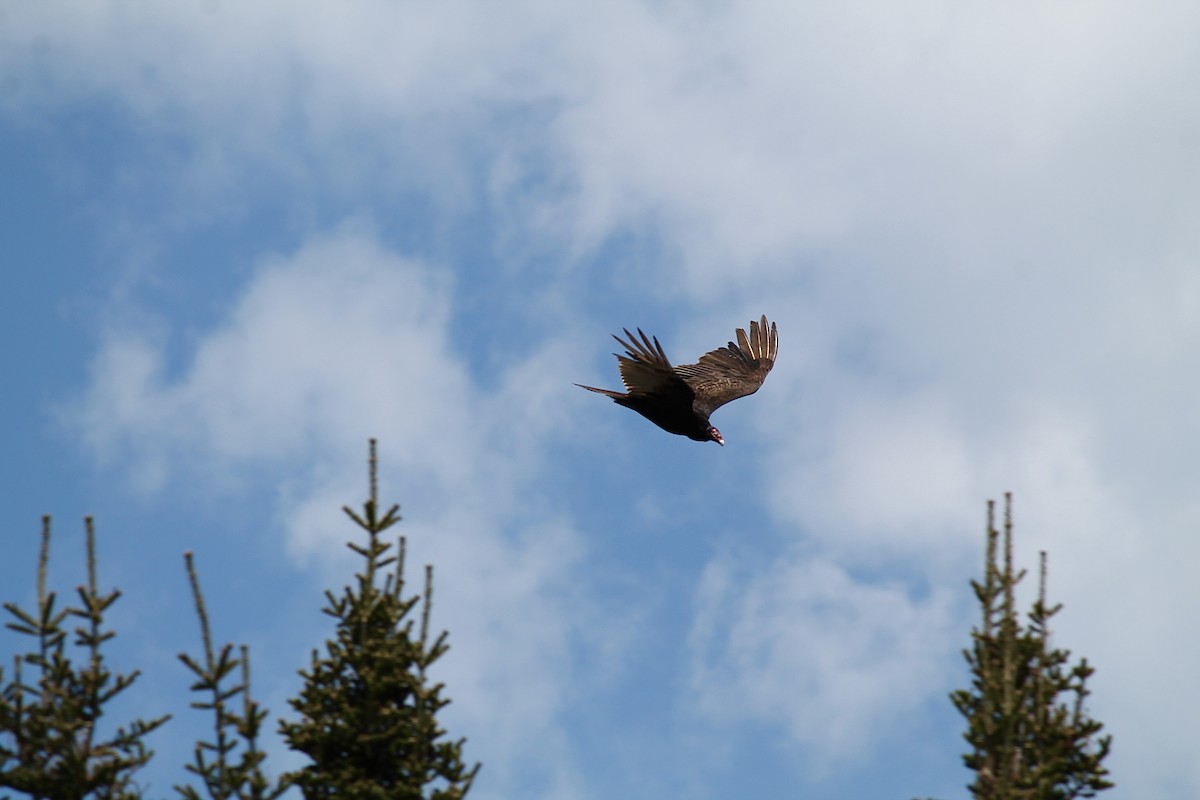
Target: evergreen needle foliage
(1027, 741)
(367, 710)
(50, 746)
(213, 762)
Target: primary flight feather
(681, 399)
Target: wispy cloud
(841, 665)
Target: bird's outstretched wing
(645, 368)
(646, 371)
(733, 371)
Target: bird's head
(716, 436)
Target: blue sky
(240, 239)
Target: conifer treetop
(368, 711)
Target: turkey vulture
(680, 399)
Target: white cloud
(324, 348)
(837, 662)
(894, 471)
(747, 137)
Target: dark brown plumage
(680, 399)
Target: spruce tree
(224, 776)
(368, 711)
(51, 740)
(1030, 735)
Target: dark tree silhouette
(213, 762)
(1030, 735)
(51, 740)
(368, 712)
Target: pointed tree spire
(368, 711)
(224, 776)
(1030, 735)
(54, 742)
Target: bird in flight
(680, 399)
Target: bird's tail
(605, 392)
